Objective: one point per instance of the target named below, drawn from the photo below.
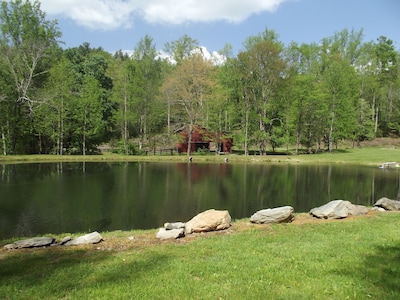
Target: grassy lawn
(356, 258)
(365, 156)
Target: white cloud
(215, 57)
(113, 14)
(94, 14)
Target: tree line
(304, 96)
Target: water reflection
(78, 197)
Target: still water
(56, 198)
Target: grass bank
(355, 258)
(364, 156)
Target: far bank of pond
(369, 156)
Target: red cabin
(201, 139)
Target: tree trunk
(330, 142)
(84, 135)
(330, 137)
(125, 132)
(190, 132)
(246, 133)
(62, 133)
(3, 138)
(376, 120)
(169, 120)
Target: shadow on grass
(380, 272)
(47, 272)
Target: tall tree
(94, 62)
(149, 66)
(181, 48)
(387, 72)
(88, 115)
(6, 109)
(27, 40)
(341, 97)
(192, 85)
(119, 73)
(58, 94)
(267, 67)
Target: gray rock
(282, 214)
(165, 234)
(175, 225)
(376, 208)
(338, 209)
(209, 220)
(388, 204)
(357, 210)
(30, 243)
(90, 238)
(65, 240)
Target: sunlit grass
(365, 156)
(344, 259)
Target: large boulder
(388, 204)
(282, 214)
(209, 220)
(90, 238)
(30, 243)
(338, 209)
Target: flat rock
(174, 225)
(388, 204)
(65, 240)
(90, 238)
(209, 220)
(30, 243)
(338, 209)
(282, 214)
(164, 234)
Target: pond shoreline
(369, 156)
(121, 240)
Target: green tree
(266, 65)
(6, 109)
(305, 111)
(149, 67)
(94, 62)
(192, 86)
(341, 97)
(27, 44)
(387, 104)
(181, 48)
(121, 95)
(58, 94)
(88, 115)
(245, 103)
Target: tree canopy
(308, 96)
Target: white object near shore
(391, 164)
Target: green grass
(346, 259)
(365, 156)
(357, 258)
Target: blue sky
(120, 24)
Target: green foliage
(268, 96)
(181, 48)
(124, 148)
(28, 44)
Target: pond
(43, 198)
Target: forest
(306, 97)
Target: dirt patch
(390, 142)
(121, 241)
